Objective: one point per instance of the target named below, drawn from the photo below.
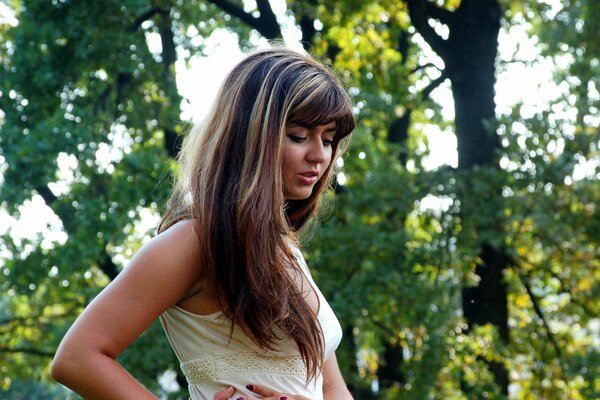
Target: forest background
(474, 279)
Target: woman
(224, 274)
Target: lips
(308, 177)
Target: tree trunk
(474, 42)
(358, 392)
(469, 55)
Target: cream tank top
(212, 361)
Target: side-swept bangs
(321, 101)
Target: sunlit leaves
(88, 102)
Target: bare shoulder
(164, 269)
(181, 237)
(171, 256)
(160, 274)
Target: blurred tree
(426, 294)
(473, 232)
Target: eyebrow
(332, 129)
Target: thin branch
(434, 84)
(420, 67)
(417, 10)
(106, 264)
(11, 320)
(383, 327)
(516, 61)
(35, 352)
(70, 312)
(235, 11)
(564, 288)
(266, 24)
(540, 314)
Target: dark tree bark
(172, 140)
(398, 130)
(266, 23)
(358, 392)
(473, 42)
(306, 22)
(469, 54)
(390, 374)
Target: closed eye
(328, 143)
(296, 139)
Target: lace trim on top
(213, 367)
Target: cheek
(285, 156)
(291, 156)
(287, 162)
(330, 153)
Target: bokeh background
(461, 248)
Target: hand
(224, 394)
(268, 394)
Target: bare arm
(160, 274)
(334, 386)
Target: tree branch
(564, 288)
(434, 84)
(108, 266)
(11, 320)
(418, 12)
(146, 16)
(398, 130)
(307, 27)
(172, 142)
(540, 314)
(390, 332)
(35, 352)
(38, 318)
(46, 193)
(270, 27)
(167, 41)
(266, 23)
(235, 11)
(441, 14)
(420, 67)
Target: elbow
(56, 372)
(66, 365)
(74, 363)
(59, 369)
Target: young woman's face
(306, 155)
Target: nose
(317, 152)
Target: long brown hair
(230, 184)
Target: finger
(268, 394)
(224, 394)
(262, 390)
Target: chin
(297, 195)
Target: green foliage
(400, 242)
